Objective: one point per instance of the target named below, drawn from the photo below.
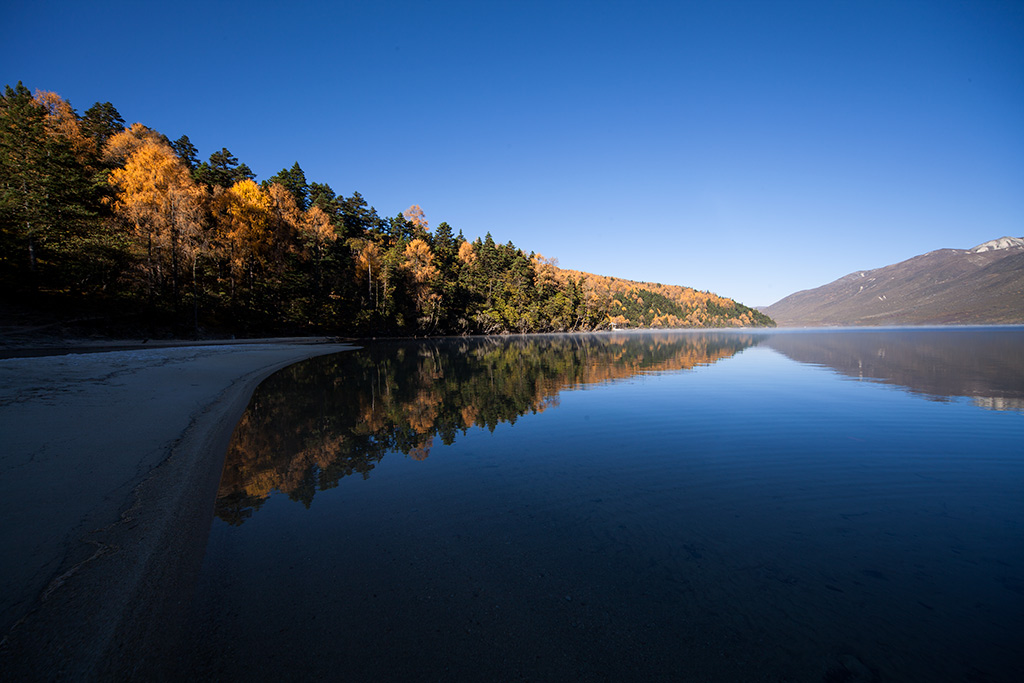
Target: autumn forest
(124, 226)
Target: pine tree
(222, 170)
(44, 189)
(294, 180)
(186, 151)
(100, 122)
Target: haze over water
(809, 506)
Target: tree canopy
(134, 225)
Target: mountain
(983, 285)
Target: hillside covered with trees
(129, 228)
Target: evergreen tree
(294, 180)
(401, 229)
(186, 151)
(445, 245)
(359, 218)
(44, 189)
(222, 170)
(446, 251)
(101, 121)
(321, 195)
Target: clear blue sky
(748, 148)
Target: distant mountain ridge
(981, 285)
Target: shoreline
(111, 468)
(44, 346)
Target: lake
(723, 506)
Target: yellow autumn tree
(545, 272)
(284, 228)
(62, 121)
(316, 230)
(369, 264)
(190, 202)
(245, 215)
(122, 145)
(414, 214)
(286, 212)
(419, 264)
(467, 254)
(156, 196)
(316, 233)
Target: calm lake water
(783, 506)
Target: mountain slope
(983, 285)
(653, 305)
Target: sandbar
(110, 462)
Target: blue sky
(752, 149)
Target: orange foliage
(122, 145)
(422, 451)
(286, 211)
(61, 121)
(466, 252)
(414, 214)
(156, 194)
(246, 213)
(316, 227)
(601, 288)
(419, 263)
(369, 261)
(546, 271)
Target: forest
(127, 232)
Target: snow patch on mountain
(1001, 243)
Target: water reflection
(759, 519)
(318, 421)
(983, 364)
(314, 423)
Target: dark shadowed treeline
(313, 423)
(132, 226)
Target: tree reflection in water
(313, 423)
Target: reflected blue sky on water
(745, 516)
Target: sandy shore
(110, 463)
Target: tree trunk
(195, 297)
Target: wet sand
(110, 462)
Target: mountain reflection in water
(983, 364)
(313, 423)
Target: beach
(110, 463)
